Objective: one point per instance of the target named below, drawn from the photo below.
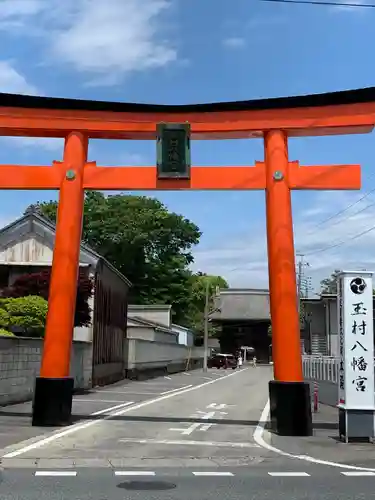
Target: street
(188, 435)
(99, 484)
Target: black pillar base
(290, 408)
(52, 405)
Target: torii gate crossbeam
(274, 120)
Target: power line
(354, 237)
(340, 212)
(324, 3)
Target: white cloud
(234, 42)
(243, 262)
(117, 35)
(11, 81)
(14, 13)
(14, 9)
(107, 40)
(47, 143)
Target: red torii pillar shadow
(289, 394)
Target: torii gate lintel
(139, 178)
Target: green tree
(329, 285)
(147, 243)
(199, 283)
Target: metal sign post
(356, 368)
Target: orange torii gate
(272, 119)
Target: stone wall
(20, 363)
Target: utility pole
(205, 338)
(299, 280)
(303, 282)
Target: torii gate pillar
(290, 402)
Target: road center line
(288, 474)
(356, 473)
(134, 473)
(56, 473)
(113, 413)
(209, 473)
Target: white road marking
(69, 430)
(168, 378)
(200, 426)
(96, 401)
(186, 373)
(134, 473)
(187, 431)
(208, 473)
(258, 436)
(174, 390)
(130, 392)
(202, 415)
(205, 427)
(182, 442)
(220, 406)
(56, 473)
(83, 425)
(358, 473)
(289, 474)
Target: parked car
(223, 361)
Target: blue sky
(164, 51)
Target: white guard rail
(325, 368)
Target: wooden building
(26, 246)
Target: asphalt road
(185, 436)
(102, 484)
(204, 419)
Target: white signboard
(356, 341)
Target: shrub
(4, 317)
(37, 284)
(5, 333)
(24, 315)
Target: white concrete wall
(182, 338)
(160, 315)
(150, 334)
(140, 332)
(20, 363)
(143, 354)
(185, 336)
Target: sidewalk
(325, 443)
